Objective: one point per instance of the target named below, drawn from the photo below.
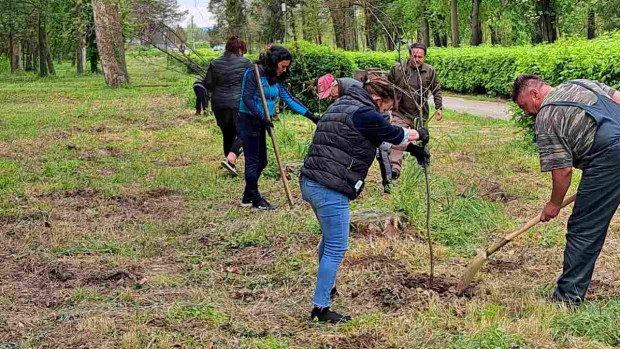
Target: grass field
(120, 230)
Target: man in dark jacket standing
(224, 78)
(414, 86)
(577, 125)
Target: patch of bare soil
(31, 280)
(401, 287)
(366, 339)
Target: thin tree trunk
(42, 49)
(29, 54)
(371, 33)
(110, 42)
(546, 29)
(338, 12)
(49, 58)
(79, 55)
(476, 28)
(424, 36)
(14, 64)
(454, 23)
(591, 24)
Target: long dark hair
(270, 59)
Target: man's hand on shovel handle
(549, 212)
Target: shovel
(276, 150)
(483, 256)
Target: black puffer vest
(340, 156)
(227, 77)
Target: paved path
(496, 110)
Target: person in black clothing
(223, 81)
(342, 151)
(274, 68)
(202, 96)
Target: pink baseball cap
(325, 86)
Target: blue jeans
(332, 210)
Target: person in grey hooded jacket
(331, 88)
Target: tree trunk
(110, 42)
(546, 29)
(351, 28)
(42, 48)
(494, 35)
(79, 55)
(29, 54)
(454, 23)
(476, 28)
(14, 50)
(339, 19)
(50, 59)
(591, 24)
(424, 33)
(389, 43)
(371, 33)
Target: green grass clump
(204, 313)
(491, 338)
(592, 320)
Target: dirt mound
(440, 284)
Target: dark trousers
(201, 99)
(597, 200)
(225, 118)
(383, 158)
(254, 138)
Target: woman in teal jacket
(274, 68)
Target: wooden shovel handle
(532, 222)
(272, 134)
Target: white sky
(197, 8)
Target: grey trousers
(597, 200)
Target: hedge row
(491, 70)
(485, 70)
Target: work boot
(246, 201)
(326, 315)
(568, 303)
(263, 205)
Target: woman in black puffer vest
(334, 171)
(224, 78)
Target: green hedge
(492, 70)
(485, 69)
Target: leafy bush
(309, 63)
(492, 70)
(5, 65)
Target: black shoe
(326, 315)
(246, 202)
(263, 205)
(395, 174)
(230, 167)
(334, 293)
(387, 189)
(567, 302)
